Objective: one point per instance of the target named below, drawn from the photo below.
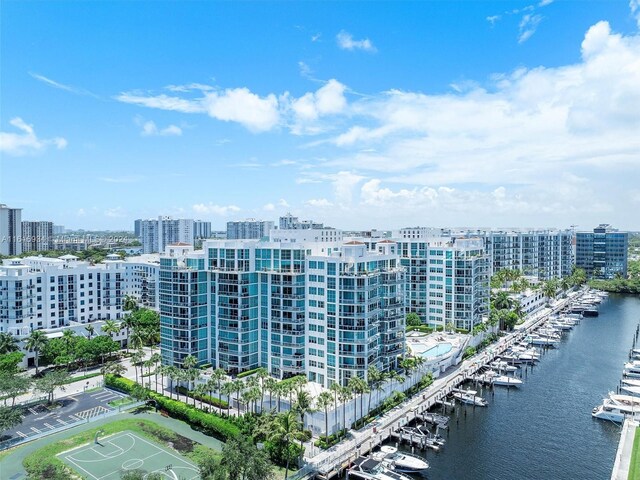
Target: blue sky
(361, 115)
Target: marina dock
(332, 462)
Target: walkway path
(625, 449)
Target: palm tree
(129, 303)
(174, 374)
(227, 389)
(35, 343)
(217, 376)
(155, 359)
(262, 374)
(303, 405)
(549, 289)
(112, 368)
(270, 385)
(238, 386)
(502, 301)
(90, 330)
(129, 322)
(325, 399)
(189, 363)
(284, 429)
(8, 343)
(335, 388)
(345, 395)
(199, 390)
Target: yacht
(626, 401)
(506, 381)
(631, 390)
(630, 382)
(631, 369)
(543, 341)
(609, 410)
(469, 397)
(369, 469)
(400, 461)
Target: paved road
(81, 406)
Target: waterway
(544, 429)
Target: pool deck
(419, 344)
(625, 449)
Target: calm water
(545, 430)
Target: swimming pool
(438, 350)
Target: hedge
(216, 402)
(208, 423)
(247, 373)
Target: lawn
(44, 463)
(634, 464)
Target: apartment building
(37, 236)
(155, 235)
(249, 229)
(324, 310)
(603, 252)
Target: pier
(332, 462)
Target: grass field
(116, 454)
(634, 464)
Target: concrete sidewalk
(625, 449)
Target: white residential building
(249, 229)
(155, 235)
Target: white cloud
(212, 209)
(328, 99)
(150, 129)
(544, 3)
(283, 203)
(493, 19)
(81, 212)
(62, 86)
(316, 37)
(116, 212)
(346, 42)
(163, 102)
(26, 142)
(269, 207)
(319, 203)
(240, 105)
(122, 179)
(528, 26)
(634, 5)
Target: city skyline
(431, 114)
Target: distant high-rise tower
(603, 252)
(10, 230)
(37, 236)
(248, 229)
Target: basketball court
(113, 455)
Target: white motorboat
(632, 369)
(543, 341)
(631, 390)
(469, 397)
(630, 382)
(400, 461)
(506, 381)
(370, 469)
(610, 410)
(626, 401)
(502, 366)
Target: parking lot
(66, 410)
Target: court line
(70, 459)
(182, 460)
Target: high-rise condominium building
(326, 311)
(155, 235)
(37, 236)
(248, 229)
(289, 222)
(201, 229)
(603, 252)
(447, 280)
(10, 230)
(543, 254)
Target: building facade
(37, 236)
(201, 229)
(602, 253)
(155, 235)
(10, 230)
(327, 311)
(249, 229)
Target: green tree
(13, 385)
(35, 343)
(413, 320)
(284, 430)
(136, 358)
(9, 362)
(91, 330)
(50, 381)
(303, 405)
(502, 300)
(9, 418)
(8, 343)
